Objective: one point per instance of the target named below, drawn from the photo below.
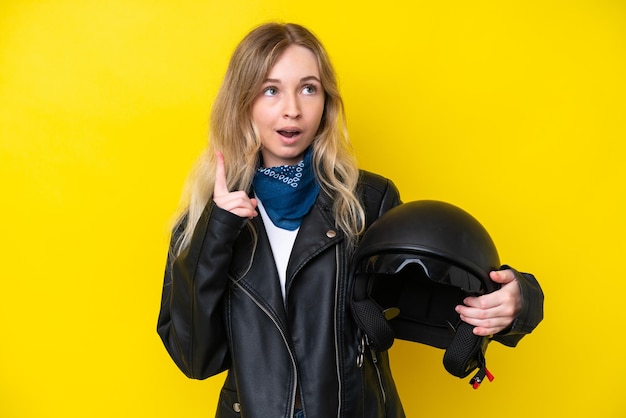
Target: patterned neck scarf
(288, 192)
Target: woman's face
(288, 109)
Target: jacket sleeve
(531, 313)
(191, 323)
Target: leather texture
(222, 309)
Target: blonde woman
(256, 281)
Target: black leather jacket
(222, 308)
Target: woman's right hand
(237, 202)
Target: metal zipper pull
(374, 356)
(361, 355)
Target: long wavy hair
(233, 132)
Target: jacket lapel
(316, 233)
(264, 283)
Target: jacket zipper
(284, 337)
(365, 342)
(338, 358)
(380, 378)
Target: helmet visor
(419, 267)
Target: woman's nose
(292, 107)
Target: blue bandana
(288, 192)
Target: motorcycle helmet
(412, 267)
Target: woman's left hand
(493, 312)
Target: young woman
(256, 281)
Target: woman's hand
(237, 202)
(493, 312)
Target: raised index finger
(220, 188)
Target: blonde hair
(233, 133)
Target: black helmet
(413, 266)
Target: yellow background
(513, 110)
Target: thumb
(220, 188)
(502, 276)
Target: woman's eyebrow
(303, 79)
(310, 78)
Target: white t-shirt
(281, 241)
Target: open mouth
(289, 133)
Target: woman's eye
(309, 89)
(270, 91)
